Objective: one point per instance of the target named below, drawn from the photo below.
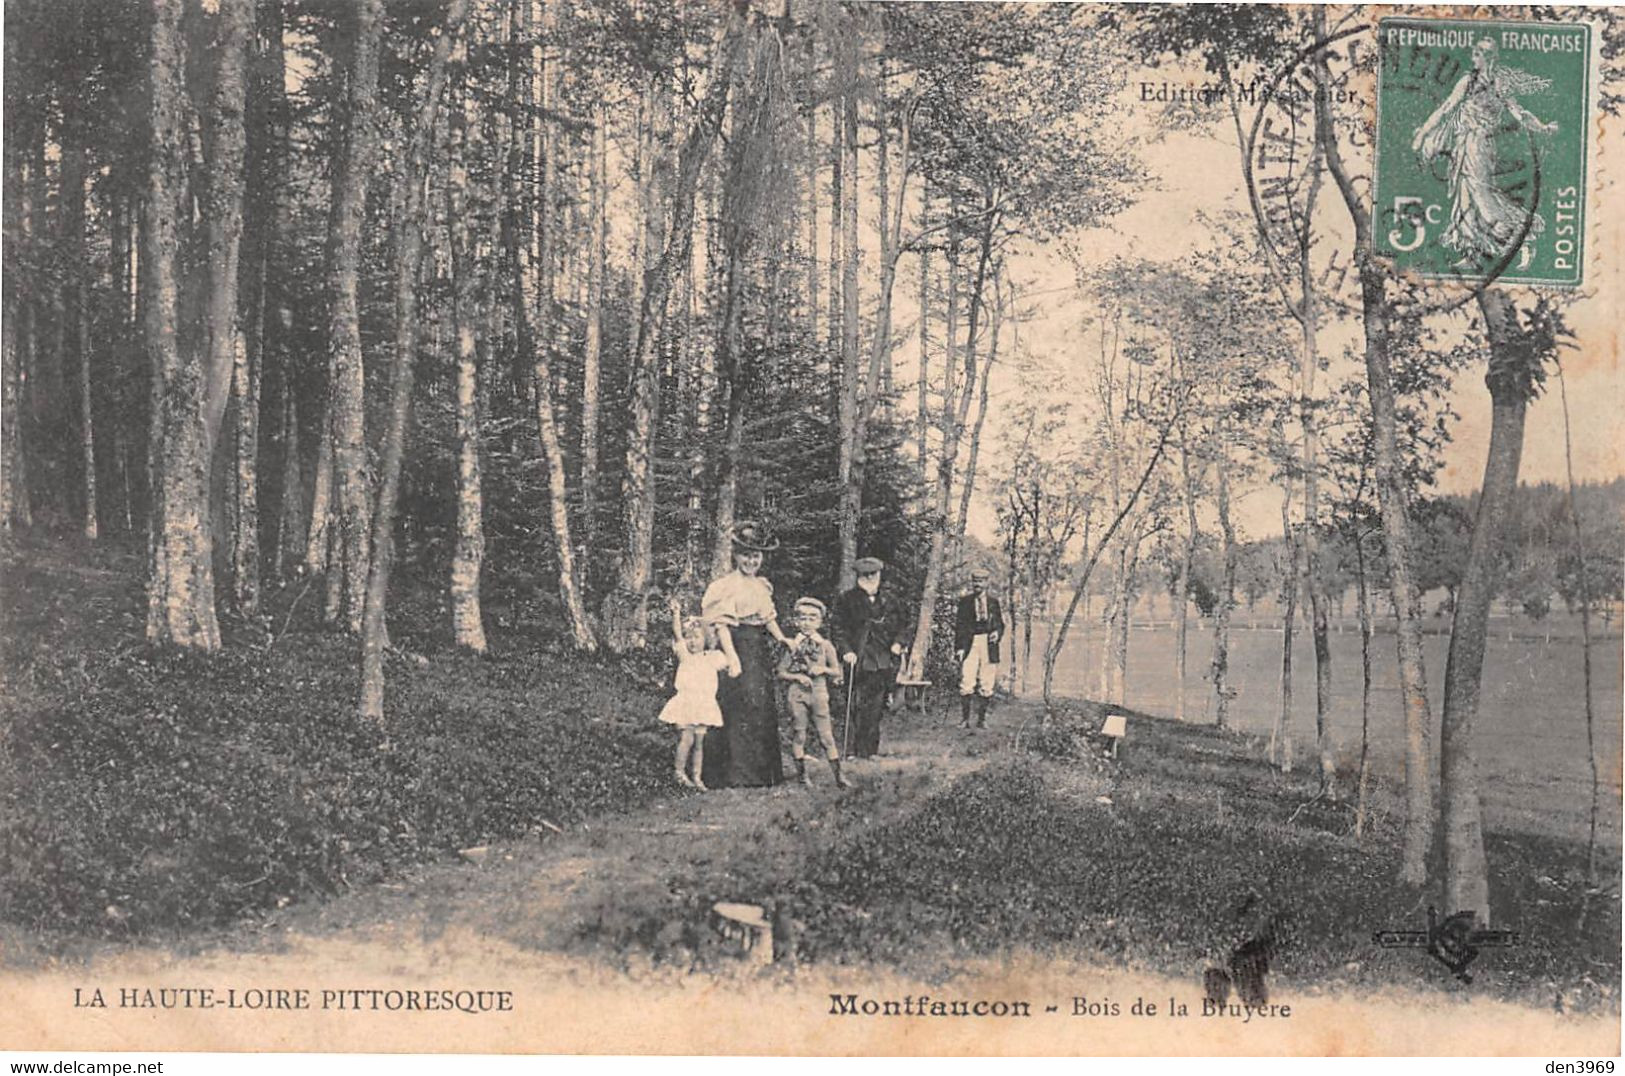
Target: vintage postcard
(801, 527)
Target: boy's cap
(868, 565)
(810, 603)
(981, 573)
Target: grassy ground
(1176, 855)
(228, 800)
(150, 791)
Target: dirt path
(626, 878)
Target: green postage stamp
(1481, 149)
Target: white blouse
(737, 598)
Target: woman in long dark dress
(740, 604)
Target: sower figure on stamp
(867, 630)
(978, 627)
(810, 666)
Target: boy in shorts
(809, 666)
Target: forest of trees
(528, 302)
(534, 292)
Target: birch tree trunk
(1280, 746)
(813, 157)
(852, 390)
(837, 231)
(411, 177)
(1512, 371)
(347, 390)
(1182, 584)
(923, 384)
(468, 552)
(967, 484)
(592, 351)
(1363, 598)
(1222, 691)
(180, 589)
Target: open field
(1533, 758)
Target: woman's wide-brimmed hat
(751, 535)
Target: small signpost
(1116, 727)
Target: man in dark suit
(978, 627)
(867, 632)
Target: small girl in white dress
(694, 708)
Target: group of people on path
(730, 657)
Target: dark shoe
(981, 711)
(801, 771)
(840, 779)
(964, 711)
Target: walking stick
(846, 733)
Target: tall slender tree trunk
(245, 545)
(180, 590)
(269, 225)
(1391, 497)
(13, 494)
(967, 485)
(1280, 746)
(1187, 558)
(1222, 691)
(468, 553)
(625, 609)
(837, 231)
(1585, 645)
(411, 177)
(347, 389)
(228, 137)
(1363, 599)
(1309, 423)
(1511, 373)
(1036, 600)
(72, 194)
(703, 359)
(846, 151)
(289, 518)
(1124, 620)
(592, 351)
(813, 159)
(922, 413)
